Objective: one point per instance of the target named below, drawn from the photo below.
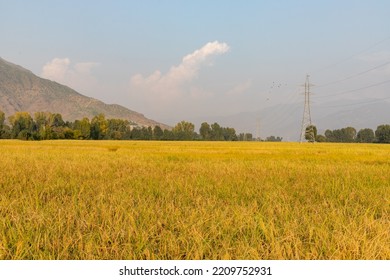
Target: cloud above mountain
(178, 88)
(170, 84)
(75, 75)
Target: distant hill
(21, 90)
(285, 119)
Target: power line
(353, 90)
(355, 75)
(283, 110)
(359, 103)
(352, 56)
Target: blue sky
(175, 60)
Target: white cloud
(77, 76)
(85, 67)
(168, 85)
(56, 69)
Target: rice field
(193, 200)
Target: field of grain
(193, 200)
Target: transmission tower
(306, 120)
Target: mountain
(285, 120)
(21, 90)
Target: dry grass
(193, 200)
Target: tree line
(350, 135)
(46, 126)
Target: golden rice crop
(193, 200)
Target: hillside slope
(21, 90)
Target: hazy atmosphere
(239, 63)
(250, 131)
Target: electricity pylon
(306, 120)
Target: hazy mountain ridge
(285, 120)
(21, 90)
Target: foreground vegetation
(350, 135)
(51, 126)
(193, 200)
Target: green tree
(273, 139)
(5, 131)
(117, 129)
(348, 134)
(49, 126)
(184, 131)
(229, 134)
(158, 133)
(56, 126)
(136, 133)
(2, 119)
(41, 119)
(344, 135)
(216, 132)
(245, 137)
(168, 135)
(311, 133)
(68, 133)
(99, 127)
(22, 125)
(43, 130)
(55, 120)
(147, 133)
(320, 138)
(205, 131)
(329, 136)
(82, 129)
(382, 133)
(365, 135)
(248, 137)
